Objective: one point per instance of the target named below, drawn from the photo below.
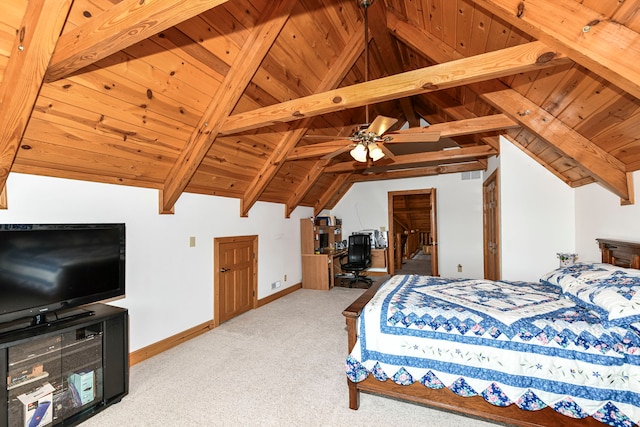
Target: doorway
(412, 227)
(235, 276)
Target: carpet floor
(279, 365)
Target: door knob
(224, 270)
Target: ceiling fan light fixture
(375, 152)
(359, 153)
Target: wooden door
(433, 236)
(491, 227)
(235, 276)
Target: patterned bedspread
(510, 342)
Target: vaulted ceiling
(255, 99)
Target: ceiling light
(359, 153)
(375, 152)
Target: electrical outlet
(285, 277)
(459, 268)
(192, 241)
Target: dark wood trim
(620, 253)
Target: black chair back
(359, 253)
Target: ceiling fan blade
(387, 153)
(338, 152)
(380, 124)
(413, 137)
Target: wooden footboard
(444, 398)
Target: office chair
(358, 258)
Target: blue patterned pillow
(610, 291)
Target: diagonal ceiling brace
(271, 167)
(602, 166)
(589, 38)
(254, 49)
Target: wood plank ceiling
(231, 98)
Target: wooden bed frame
(622, 254)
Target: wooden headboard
(620, 253)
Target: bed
(561, 352)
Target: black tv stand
(76, 366)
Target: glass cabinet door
(53, 378)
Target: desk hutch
(319, 264)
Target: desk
(378, 261)
(318, 270)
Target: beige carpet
(279, 365)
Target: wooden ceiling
(220, 97)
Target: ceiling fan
(368, 141)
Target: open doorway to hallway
(413, 231)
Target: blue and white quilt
(510, 342)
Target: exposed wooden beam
(465, 126)
(418, 172)
(304, 187)
(270, 168)
(536, 158)
(608, 170)
(4, 203)
(336, 184)
(421, 41)
(605, 168)
(339, 194)
(117, 28)
(23, 76)
(591, 39)
(460, 154)
(317, 150)
(253, 51)
(450, 109)
(517, 59)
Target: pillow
(576, 271)
(610, 291)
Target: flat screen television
(48, 268)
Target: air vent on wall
(470, 175)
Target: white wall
(537, 216)
(169, 284)
(599, 214)
(459, 205)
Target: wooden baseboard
(280, 294)
(167, 343)
(177, 339)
